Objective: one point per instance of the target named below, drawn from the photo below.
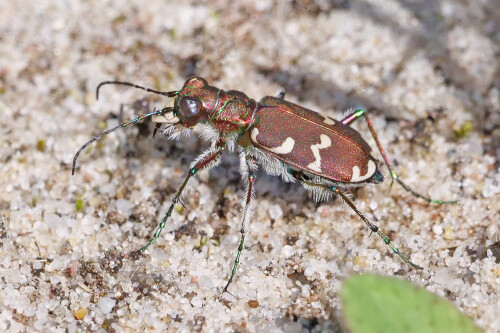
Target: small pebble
(309, 272)
(124, 206)
(437, 229)
(37, 265)
(80, 313)
(204, 282)
(286, 251)
(72, 268)
(448, 233)
(253, 303)
(275, 212)
(106, 304)
(360, 261)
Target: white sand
(408, 61)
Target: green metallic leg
(370, 225)
(246, 215)
(206, 160)
(373, 227)
(355, 115)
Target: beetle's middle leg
(344, 197)
(206, 160)
(248, 166)
(395, 177)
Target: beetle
(326, 156)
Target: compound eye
(190, 111)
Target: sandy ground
(428, 69)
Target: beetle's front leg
(248, 166)
(362, 113)
(206, 160)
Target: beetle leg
(157, 127)
(247, 167)
(370, 225)
(206, 160)
(361, 112)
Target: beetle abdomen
(312, 142)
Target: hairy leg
(206, 160)
(322, 187)
(248, 166)
(395, 177)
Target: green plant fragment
(40, 145)
(464, 130)
(79, 203)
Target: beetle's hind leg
(248, 166)
(206, 160)
(395, 177)
(349, 202)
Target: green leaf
(380, 304)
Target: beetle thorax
(227, 111)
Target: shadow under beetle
(285, 139)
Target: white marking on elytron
(325, 143)
(328, 120)
(285, 148)
(254, 134)
(356, 176)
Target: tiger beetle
(324, 155)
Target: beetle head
(192, 102)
